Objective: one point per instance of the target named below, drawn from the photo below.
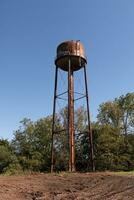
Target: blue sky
(30, 31)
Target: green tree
(118, 113)
(115, 118)
(32, 144)
(8, 161)
(126, 106)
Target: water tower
(71, 58)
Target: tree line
(113, 140)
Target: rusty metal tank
(70, 49)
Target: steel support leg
(91, 153)
(53, 122)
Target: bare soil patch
(77, 186)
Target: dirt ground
(94, 186)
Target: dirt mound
(94, 186)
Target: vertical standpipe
(71, 117)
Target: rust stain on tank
(70, 49)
